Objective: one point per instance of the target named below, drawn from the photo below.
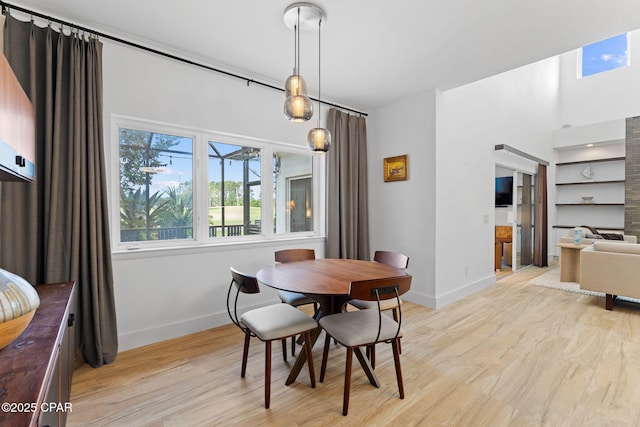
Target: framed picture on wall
(395, 168)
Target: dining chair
(393, 259)
(363, 328)
(295, 299)
(270, 323)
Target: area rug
(551, 279)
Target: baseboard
(142, 337)
(465, 291)
(453, 296)
(420, 299)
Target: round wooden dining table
(328, 282)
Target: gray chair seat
(277, 321)
(354, 329)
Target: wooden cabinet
(601, 179)
(17, 128)
(503, 234)
(36, 368)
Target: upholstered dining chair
(364, 328)
(295, 299)
(270, 323)
(393, 259)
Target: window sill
(144, 251)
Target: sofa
(611, 268)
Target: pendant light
(297, 105)
(319, 138)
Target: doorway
(514, 219)
(525, 220)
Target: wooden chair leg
(395, 317)
(396, 359)
(284, 349)
(609, 301)
(325, 356)
(370, 352)
(245, 353)
(293, 346)
(267, 374)
(372, 356)
(307, 347)
(347, 381)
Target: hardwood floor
(510, 355)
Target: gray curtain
(56, 229)
(347, 194)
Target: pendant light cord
(295, 51)
(319, 68)
(297, 31)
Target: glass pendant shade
(298, 108)
(319, 139)
(295, 85)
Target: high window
(184, 187)
(604, 55)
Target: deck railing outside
(170, 233)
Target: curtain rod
(6, 7)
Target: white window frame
(200, 139)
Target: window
(235, 205)
(156, 197)
(293, 192)
(300, 204)
(604, 55)
(186, 187)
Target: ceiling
(374, 52)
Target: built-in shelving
(602, 180)
(582, 162)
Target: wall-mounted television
(504, 191)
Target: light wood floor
(510, 355)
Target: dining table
(327, 281)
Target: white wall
(518, 108)
(163, 294)
(402, 213)
(446, 208)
